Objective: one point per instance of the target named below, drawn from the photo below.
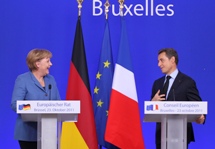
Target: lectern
(173, 117)
(48, 115)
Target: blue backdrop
(187, 26)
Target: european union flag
(149, 108)
(103, 86)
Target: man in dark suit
(180, 88)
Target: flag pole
(107, 5)
(121, 6)
(79, 6)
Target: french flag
(152, 107)
(124, 125)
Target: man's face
(166, 65)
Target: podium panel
(173, 117)
(48, 115)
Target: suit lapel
(36, 82)
(175, 85)
(47, 82)
(177, 81)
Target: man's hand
(201, 119)
(158, 97)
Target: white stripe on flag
(123, 82)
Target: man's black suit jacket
(183, 89)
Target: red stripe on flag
(123, 125)
(77, 90)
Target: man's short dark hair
(170, 52)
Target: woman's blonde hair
(35, 55)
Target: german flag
(82, 134)
(27, 107)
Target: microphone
(50, 87)
(173, 93)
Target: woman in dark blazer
(181, 88)
(36, 84)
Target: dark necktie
(165, 87)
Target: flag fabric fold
(102, 90)
(79, 89)
(124, 125)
